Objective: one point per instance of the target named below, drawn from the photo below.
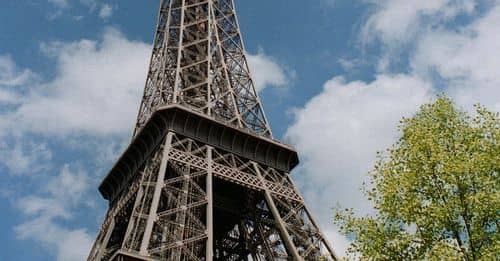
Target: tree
(435, 191)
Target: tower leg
(191, 201)
(315, 223)
(189, 186)
(99, 247)
(210, 208)
(156, 196)
(291, 249)
(299, 231)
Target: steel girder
(191, 201)
(182, 191)
(198, 61)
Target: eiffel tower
(203, 178)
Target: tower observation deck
(203, 178)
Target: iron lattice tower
(203, 178)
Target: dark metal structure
(203, 179)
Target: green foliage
(436, 191)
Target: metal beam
(201, 127)
(290, 247)
(210, 208)
(156, 197)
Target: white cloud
(97, 7)
(8, 97)
(47, 207)
(68, 245)
(397, 24)
(12, 79)
(96, 90)
(338, 133)
(349, 64)
(25, 157)
(98, 86)
(266, 72)
(10, 75)
(467, 59)
(396, 21)
(339, 243)
(60, 197)
(69, 186)
(106, 11)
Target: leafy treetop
(435, 191)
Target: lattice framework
(188, 197)
(199, 61)
(167, 210)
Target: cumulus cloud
(11, 75)
(339, 243)
(96, 90)
(466, 59)
(397, 24)
(60, 196)
(67, 244)
(12, 78)
(266, 72)
(98, 86)
(25, 157)
(338, 132)
(396, 21)
(95, 93)
(97, 7)
(106, 11)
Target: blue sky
(335, 76)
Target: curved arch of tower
(202, 178)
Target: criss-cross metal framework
(199, 61)
(202, 178)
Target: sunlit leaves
(436, 190)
